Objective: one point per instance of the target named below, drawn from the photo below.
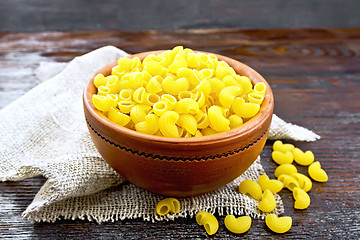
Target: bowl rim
(265, 109)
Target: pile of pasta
(178, 93)
(263, 190)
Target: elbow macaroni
(317, 173)
(252, 188)
(302, 199)
(167, 205)
(278, 224)
(195, 85)
(303, 158)
(281, 157)
(274, 186)
(237, 225)
(209, 222)
(280, 146)
(286, 169)
(268, 202)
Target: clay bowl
(180, 167)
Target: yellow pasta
(199, 97)
(203, 86)
(179, 62)
(118, 117)
(209, 222)
(278, 224)
(204, 60)
(188, 122)
(103, 90)
(161, 107)
(223, 69)
(279, 146)
(317, 173)
(302, 199)
(202, 120)
(273, 185)
(250, 187)
(151, 99)
(255, 98)
(216, 85)
(185, 94)
(304, 182)
(288, 181)
(245, 83)
(149, 126)
(117, 71)
(235, 121)
(303, 158)
(167, 205)
(228, 94)
(195, 85)
(155, 68)
(208, 131)
(260, 88)
(237, 225)
(125, 94)
(198, 134)
(286, 168)
(139, 112)
(187, 105)
(193, 61)
(154, 84)
(100, 80)
(167, 123)
(230, 80)
(113, 84)
(174, 87)
(104, 103)
(281, 157)
(125, 106)
(217, 121)
(139, 95)
(125, 64)
(268, 202)
(170, 99)
(207, 72)
(245, 109)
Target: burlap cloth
(44, 133)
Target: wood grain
(315, 76)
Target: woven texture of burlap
(44, 133)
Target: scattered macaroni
(282, 157)
(181, 81)
(302, 199)
(209, 222)
(288, 181)
(250, 187)
(304, 182)
(317, 173)
(278, 224)
(287, 169)
(274, 186)
(279, 146)
(237, 225)
(167, 205)
(268, 202)
(303, 158)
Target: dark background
(71, 15)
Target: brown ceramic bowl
(180, 167)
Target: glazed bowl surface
(180, 167)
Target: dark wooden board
(315, 76)
(69, 15)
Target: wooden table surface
(315, 76)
